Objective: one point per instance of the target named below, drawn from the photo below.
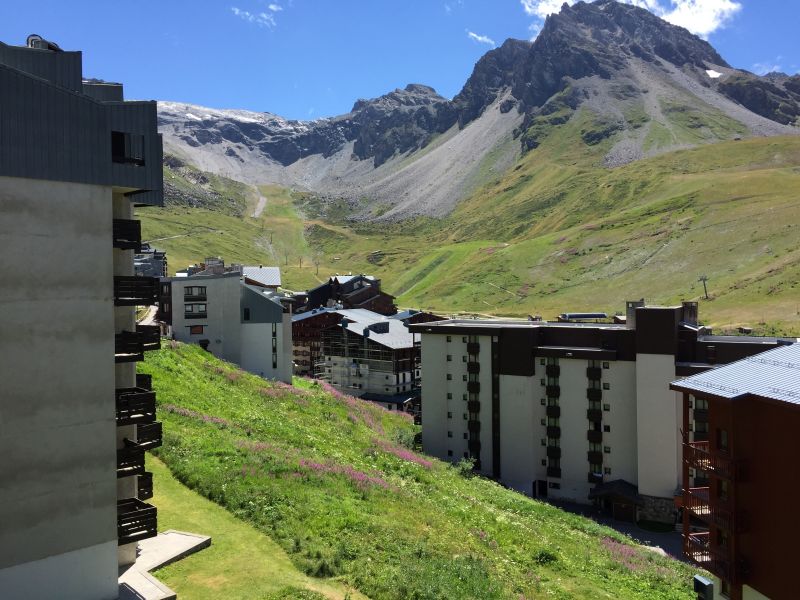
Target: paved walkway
(149, 317)
(262, 204)
(668, 543)
(135, 581)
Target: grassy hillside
(332, 480)
(558, 232)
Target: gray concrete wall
(57, 422)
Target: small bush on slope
(322, 474)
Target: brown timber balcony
(553, 452)
(473, 406)
(697, 548)
(474, 387)
(553, 391)
(552, 370)
(135, 290)
(698, 455)
(553, 431)
(473, 367)
(595, 415)
(553, 411)
(554, 472)
(136, 520)
(698, 502)
(594, 394)
(127, 234)
(594, 457)
(473, 348)
(130, 460)
(595, 478)
(149, 435)
(144, 486)
(596, 437)
(135, 406)
(594, 373)
(473, 426)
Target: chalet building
(150, 262)
(571, 410)
(244, 323)
(307, 331)
(348, 291)
(75, 159)
(740, 475)
(372, 357)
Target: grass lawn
(241, 562)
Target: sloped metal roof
(772, 374)
(268, 276)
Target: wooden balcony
(553, 391)
(135, 291)
(127, 234)
(553, 411)
(554, 472)
(552, 371)
(473, 348)
(136, 521)
(700, 504)
(697, 548)
(474, 387)
(594, 373)
(130, 460)
(594, 457)
(150, 336)
(553, 452)
(698, 455)
(474, 406)
(553, 431)
(135, 405)
(144, 486)
(149, 435)
(596, 437)
(595, 415)
(128, 347)
(473, 367)
(594, 394)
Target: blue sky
(312, 58)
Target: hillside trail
(262, 204)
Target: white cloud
(766, 67)
(275, 7)
(701, 17)
(481, 39)
(261, 19)
(535, 29)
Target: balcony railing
(697, 548)
(553, 452)
(698, 502)
(595, 415)
(144, 381)
(136, 520)
(150, 336)
(473, 426)
(698, 455)
(594, 373)
(596, 437)
(135, 406)
(473, 348)
(553, 431)
(129, 346)
(144, 486)
(130, 460)
(595, 478)
(473, 406)
(473, 367)
(127, 234)
(594, 457)
(553, 411)
(474, 446)
(135, 291)
(202, 297)
(594, 394)
(149, 435)
(553, 391)
(474, 387)
(552, 370)
(553, 472)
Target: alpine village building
(573, 410)
(740, 476)
(75, 158)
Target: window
(449, 396)
(605, 365)
(700, 404)
(246, 313)
(554, 463)
(722, 490)
(463, 378)
(544, 422)
(607, 449)
(449, 434)
(544, 401)
(606, 386)
(722, 439)
(449, 453)
(274, 330)
(544, 442)
(553, 485)
(388, 407)
(466, 437)
(449, 358)
(596, 469)
(544, 462)
(127, 148)
(464, 339)
(464, 397)
(466, 454)
(607, 470)
(466, 416)
(196, 329)
(606, 407)
(542, 381)
(607, 428)
(449, 339)
(449, 415)
(541, 361)
(594, 447)
(463, 359)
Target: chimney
(630, 312)
(689, 313)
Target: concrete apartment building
(571, 410)
(75, 158)
(740, 475)
(370, 356)
(246, 324)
